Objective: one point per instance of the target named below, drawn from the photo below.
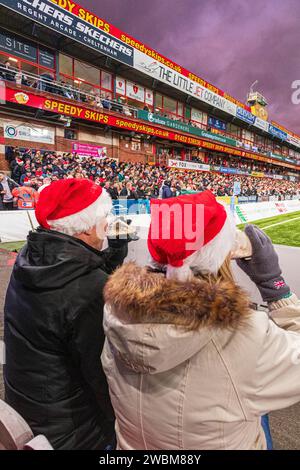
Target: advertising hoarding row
(171, 77)
(72, 20)
(84, 14)
(181, 126)
(263, 210)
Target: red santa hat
(72, 205)
(190, 232)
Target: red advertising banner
(80, 112)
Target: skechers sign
(245, 115)
(52, 16)
(277, 132)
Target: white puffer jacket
(204, 388)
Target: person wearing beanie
(190, 365)
(53, 318)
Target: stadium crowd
(31, 171)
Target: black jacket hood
(51, 260)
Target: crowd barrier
(262, 210)
(15, 225)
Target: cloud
(230, 43)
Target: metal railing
(47, 84)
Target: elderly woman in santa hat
(189, 364)
(53, 318)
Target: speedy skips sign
(49, 14)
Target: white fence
(15, 225)
(263, 210)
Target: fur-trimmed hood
(154, 324)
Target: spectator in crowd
(126, 109)
(17, 168)
(26, 177)
(128, 192)
(25, 197)
(97, 102)
(10, 153)
(112, 190)
(106, 103)
(188, 363)
(7, 186)
(8, 72)
(53, 319)
(141, 191)
(45, 82)
(43, 183)
(166, 190)
(66, 90)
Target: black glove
(263, 268)
(120, 235)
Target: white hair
(86, 219)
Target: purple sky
(230, 43)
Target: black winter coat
(54, 338)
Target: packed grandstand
(136, 180)
(62, 91)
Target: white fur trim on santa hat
(86, 219)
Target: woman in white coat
(189, 364)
